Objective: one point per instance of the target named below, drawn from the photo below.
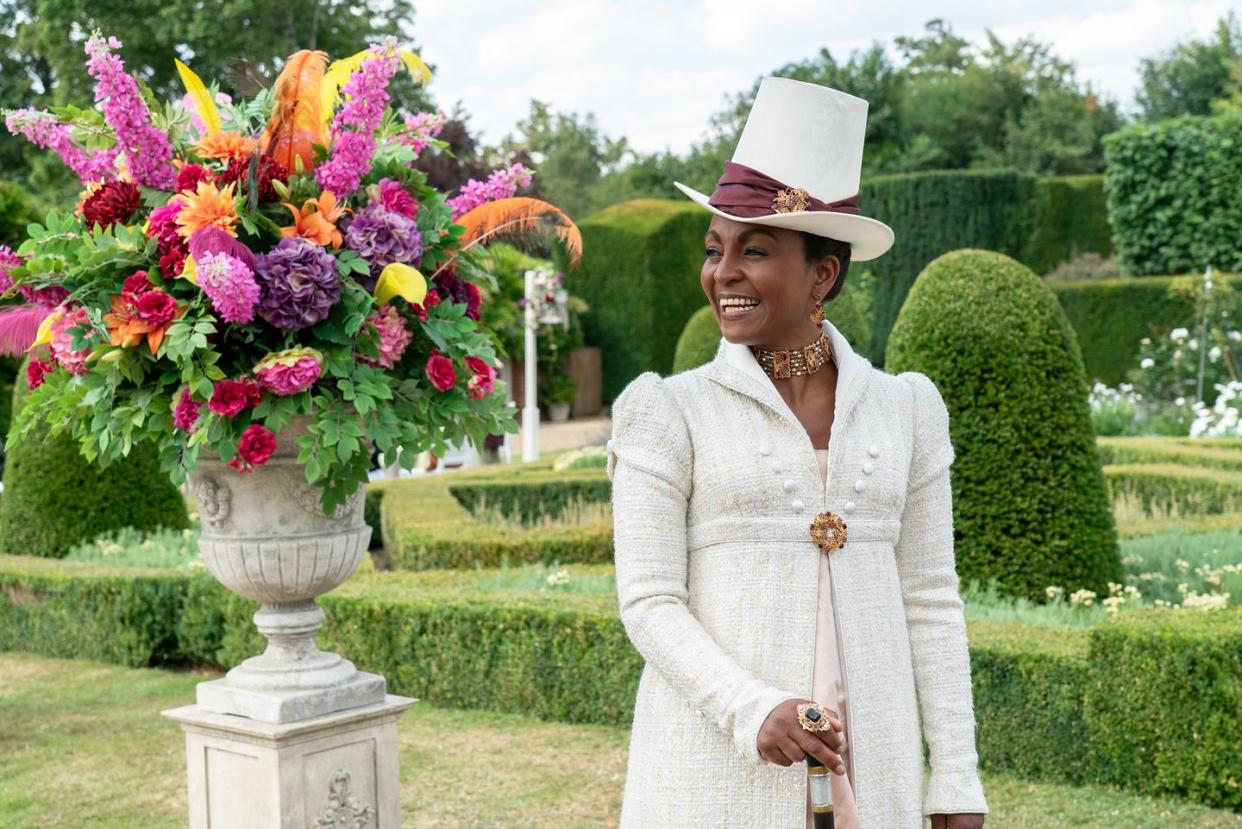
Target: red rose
(35, 370)
(430, 301)
(256, 445)
(172, 263)
(473, 300)
(440, 371)
(136, 284)
(254, 392)
(484, 378)
(156, 308)
(228, 398)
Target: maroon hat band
(746, 192)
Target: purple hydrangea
(383, 237)
(299, 284)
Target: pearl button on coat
(717, 581)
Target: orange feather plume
(296, 121)
(518, 218)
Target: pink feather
(19, 324)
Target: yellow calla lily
(43, 335)
(189, 271)
(403, 281)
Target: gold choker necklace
(795, 362)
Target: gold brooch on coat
(828, 532)
(791, 200)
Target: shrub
(1214, 453)
(428, 524)
(17, 209)
(1072, 222)
(640, 277)
(1164, 704)
(698, 342)
(1173, 197)
(1085, 267)
(1171, 490)
(1030, 503)
(55, 498)
(1112, 316)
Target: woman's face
(760, 284)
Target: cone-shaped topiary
(1030, 504)
(54, 498)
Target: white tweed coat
(715, 483)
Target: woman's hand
(972, 820)
(783, 740)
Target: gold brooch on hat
(791, 200)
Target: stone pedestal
(335, 770)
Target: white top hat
(797, 166)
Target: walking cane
(821, 786)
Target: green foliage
(1188, 78)
(1030, 504)
(1187, 656)
(428, 522)
(698, 342)
(128, 547)
(640, 277)
(54, 498)
(1112, 316)
(1166, 203)
(1206, 453)
(1173, 490)
(1073, 219)
(17, 209)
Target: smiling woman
(792, 586)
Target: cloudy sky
(656, 70)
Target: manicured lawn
(82, 744)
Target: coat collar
(735, 366)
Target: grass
(84, 745)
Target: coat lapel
(736, 368)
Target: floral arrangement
(232, 265)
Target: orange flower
(207, 206)
(127, 330)
(317, 220)
(223, 145)
(86, 194)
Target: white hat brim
(868, 237)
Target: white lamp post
(539, 310)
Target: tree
(1187, 78)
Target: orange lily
(317, 220)
(127, 330)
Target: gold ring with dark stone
(828, 531)
(808, 724)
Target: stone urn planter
(558, 412)
(266, 537)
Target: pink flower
(43, 130)
(256, 445)
(353, 128)
(501, 184)
(396, 198)
(394, 336)
(36, 369)
(62, 341)
(135, 285)
(156, 308)
(229, 398)
(8, 261)
(440, 371)
(226, 274)
(148, 152)
(421, 127)
(289, 372)
(484, 379)
(186, 411)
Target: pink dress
(827, 688)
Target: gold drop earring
(817, 311)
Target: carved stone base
(338, 770)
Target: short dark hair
(818, 247)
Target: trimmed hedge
(54, 498)
(1165, 717)
(698, 341)
(1110, 316)
(1212, 453)
(1030, 504)
(1073, 219)
(1173, 490)
(428, 524)
(1153, 689)
(640, 277)
(1174, 201)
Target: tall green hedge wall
(642, 259)
(54, 498)
(1175, 194)
(1110, 316)
(1030, 503)
(640, 276)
